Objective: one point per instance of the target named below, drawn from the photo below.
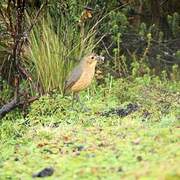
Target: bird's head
(92, 59)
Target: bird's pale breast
(84, 81)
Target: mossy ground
(87, 145)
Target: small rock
(146, 114)
(16, 159)
(136, 141)
(45, 172)
(80, 147)
(139, 158)
(120, 169)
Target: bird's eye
(92, 57)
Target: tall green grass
(54, 49)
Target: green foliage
(117, 24)
(88, 145)
(54, 53)
(69, 8)
(139, 68)
(175, 75)
(174, 23)
(5, 93)
(142, 29)
(12, 128)
(47, 55)
(155, 97)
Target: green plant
(175, 75)
(54, 50)
(174, 24)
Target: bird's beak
(100, 59)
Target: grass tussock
(54, 51)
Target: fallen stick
(14, 104)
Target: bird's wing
(74, 76)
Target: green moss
(86, 145)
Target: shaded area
(122, 112)
(45, 172)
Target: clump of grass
(54, 50)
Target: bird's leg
(83, 105)
(77, 99)
(74, 98)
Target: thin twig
(36, 17)
(10, 28)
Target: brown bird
(82, 75)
